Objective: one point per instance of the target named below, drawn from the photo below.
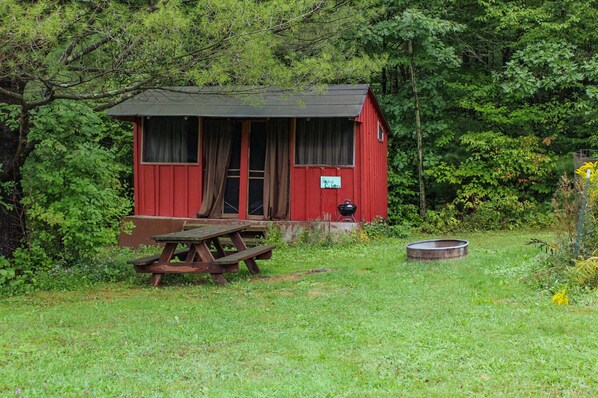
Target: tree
(415, 38)
(530, 76)
(490, 72)
(104, 51)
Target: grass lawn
(374, 325)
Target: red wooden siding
(309, 202)
(374, 163)
(365, 183)
(168, 190)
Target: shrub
(74, 196)
(19, 274)
(585, 272)
(380, 228)
(500, 183)
(558, 268)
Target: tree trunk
(13, 152)
(418, 129)
(12, 215)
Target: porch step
(180, 254)
(263, 252)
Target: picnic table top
(201, 233)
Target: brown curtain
(217, 144)
(170, 140)
(324, 141)
(276, 178)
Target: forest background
(486, 100)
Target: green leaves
(497, 169)
(73, 182)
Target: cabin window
(380, 132)
(170, 140)
(324, 141)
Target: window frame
(142, 139)
(323, 165)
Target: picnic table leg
(165, 257)
(155, 279)
(252, 266)
(219, 248)
(206, 255)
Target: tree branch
(89, 49)
(90, 22)
(11, 94)
(141, 85)
(123, 98)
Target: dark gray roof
(332, 101)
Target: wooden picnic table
(204, 253)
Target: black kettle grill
(347, 211)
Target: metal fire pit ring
(437, 249)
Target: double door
(244, 187)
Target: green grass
(373, 326)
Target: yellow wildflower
(560, 298)
(593, 167)
(363, 236)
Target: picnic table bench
(204, 253)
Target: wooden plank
(152, 259)
(219, 279)
(265, 256)
(250, 253)
(167, 252)
(250, 242)
(199, 234)
(252, 266)
(166, 256)
(241, 246)
(182, 268)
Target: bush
(32, 270)
(19, 274)
(381, 228)
(74, 196)
(498, 186)
(559, 269)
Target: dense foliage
(507, 90)
(75, 189)
(75, 181)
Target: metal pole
(582, 213)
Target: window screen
(324, 141)
(170, 140)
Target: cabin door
(257, 163)
(244, 192)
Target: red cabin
(256, 154)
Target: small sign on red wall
(333, 182)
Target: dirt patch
(282, 278)
(295, 276)
(315, 293)
(317, 271)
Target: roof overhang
(244, 102)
